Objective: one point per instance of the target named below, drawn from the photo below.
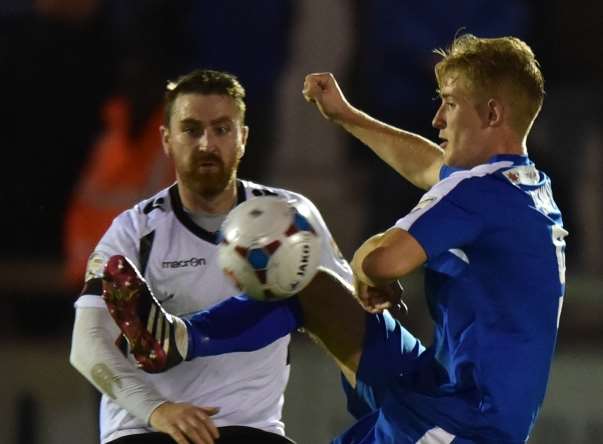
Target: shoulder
(130, 231)
(255, 189)
(303, 204)
(147, 213)
(467, 184)
(479, 174)
(138, 221)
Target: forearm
(392, 256)
(414, 157)
(95, 356)
(359, 257)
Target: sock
(241, 324)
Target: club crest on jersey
(95, 266)
(512, 176)
(522, 175)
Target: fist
(322, 89)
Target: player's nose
(438, 120)
(205, 141)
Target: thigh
(376, 345)
(333, 317)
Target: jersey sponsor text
(192, 262)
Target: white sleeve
(331, 260)
(122, 237)
(95, 355)
(93, 350)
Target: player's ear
(165, 138)
(496, 112)
(244, 135)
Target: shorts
(389, 352)
(228, 435)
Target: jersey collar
(517, 159)
(185, 219)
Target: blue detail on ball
(258, 258)
(301, 223)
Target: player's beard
(209, 184)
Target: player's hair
(204, 81)
(498, 65)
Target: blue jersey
(494, 283)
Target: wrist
(351, 117)
(155, 411)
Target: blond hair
(498, 65)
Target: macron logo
(192, 262)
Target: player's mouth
(444, 141)
(209, 163)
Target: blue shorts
(389, 352)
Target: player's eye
(222, 129)
(191, 131)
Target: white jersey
(178, 260)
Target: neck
(516, 149)
(215, 204)
(509, 143)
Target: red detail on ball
(291, 230)
(233, 278)
(272, 246)
(261, 274)
(242, 251)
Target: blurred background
(82, 82)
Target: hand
(185, 423)
(376, 299)
(323, 90)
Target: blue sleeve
(444, 220)
(240, 324)
(445, 226)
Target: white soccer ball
(269, 248)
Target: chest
(183, 271)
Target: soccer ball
(269, 248)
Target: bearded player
(172, 239)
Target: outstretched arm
(414, 157)
(96, 357)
